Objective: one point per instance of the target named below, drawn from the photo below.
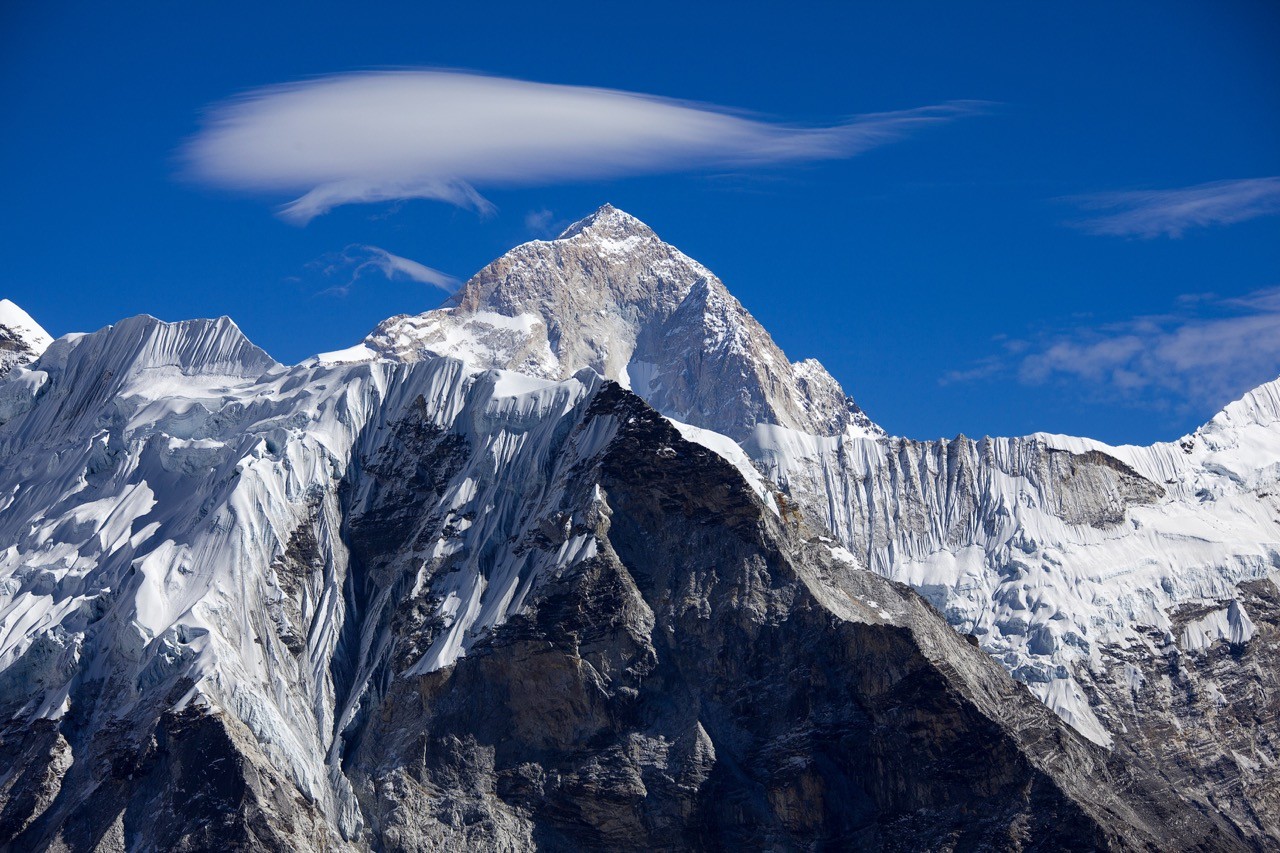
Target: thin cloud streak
(357, 261)
(380, 136)
(539, 222)
(1209, 350)
(1170, 213)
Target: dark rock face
(14, 349)
(1092, 488)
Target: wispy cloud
(357, 261)
(540, 222)
(380, 136)
(1170, 213)
(1206, 351)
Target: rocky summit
(580, 561)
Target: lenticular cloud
(440, 135)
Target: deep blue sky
(897, 268)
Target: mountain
(21, 338)
(257, 607)
(1060, 555)
(968, 523)
(1133, 589)
(402, 597)
(609, 295)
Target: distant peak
(22, 339)
(610, 223)
(14, 317)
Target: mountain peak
(610, 295)
(22, 339)
(609, 223)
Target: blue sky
(1084, 238)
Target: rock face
(1202, 699)
(389, 599)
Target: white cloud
(1155, 213)
(357, 261)
(379, 136)
(1206, 352)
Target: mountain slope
(390, 599)
(714, 676)
(1045, 547)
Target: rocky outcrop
(189, 780)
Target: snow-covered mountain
(1058, 554)
(455, 588)
(423, 606)
(1046, 548)
(609, 295)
